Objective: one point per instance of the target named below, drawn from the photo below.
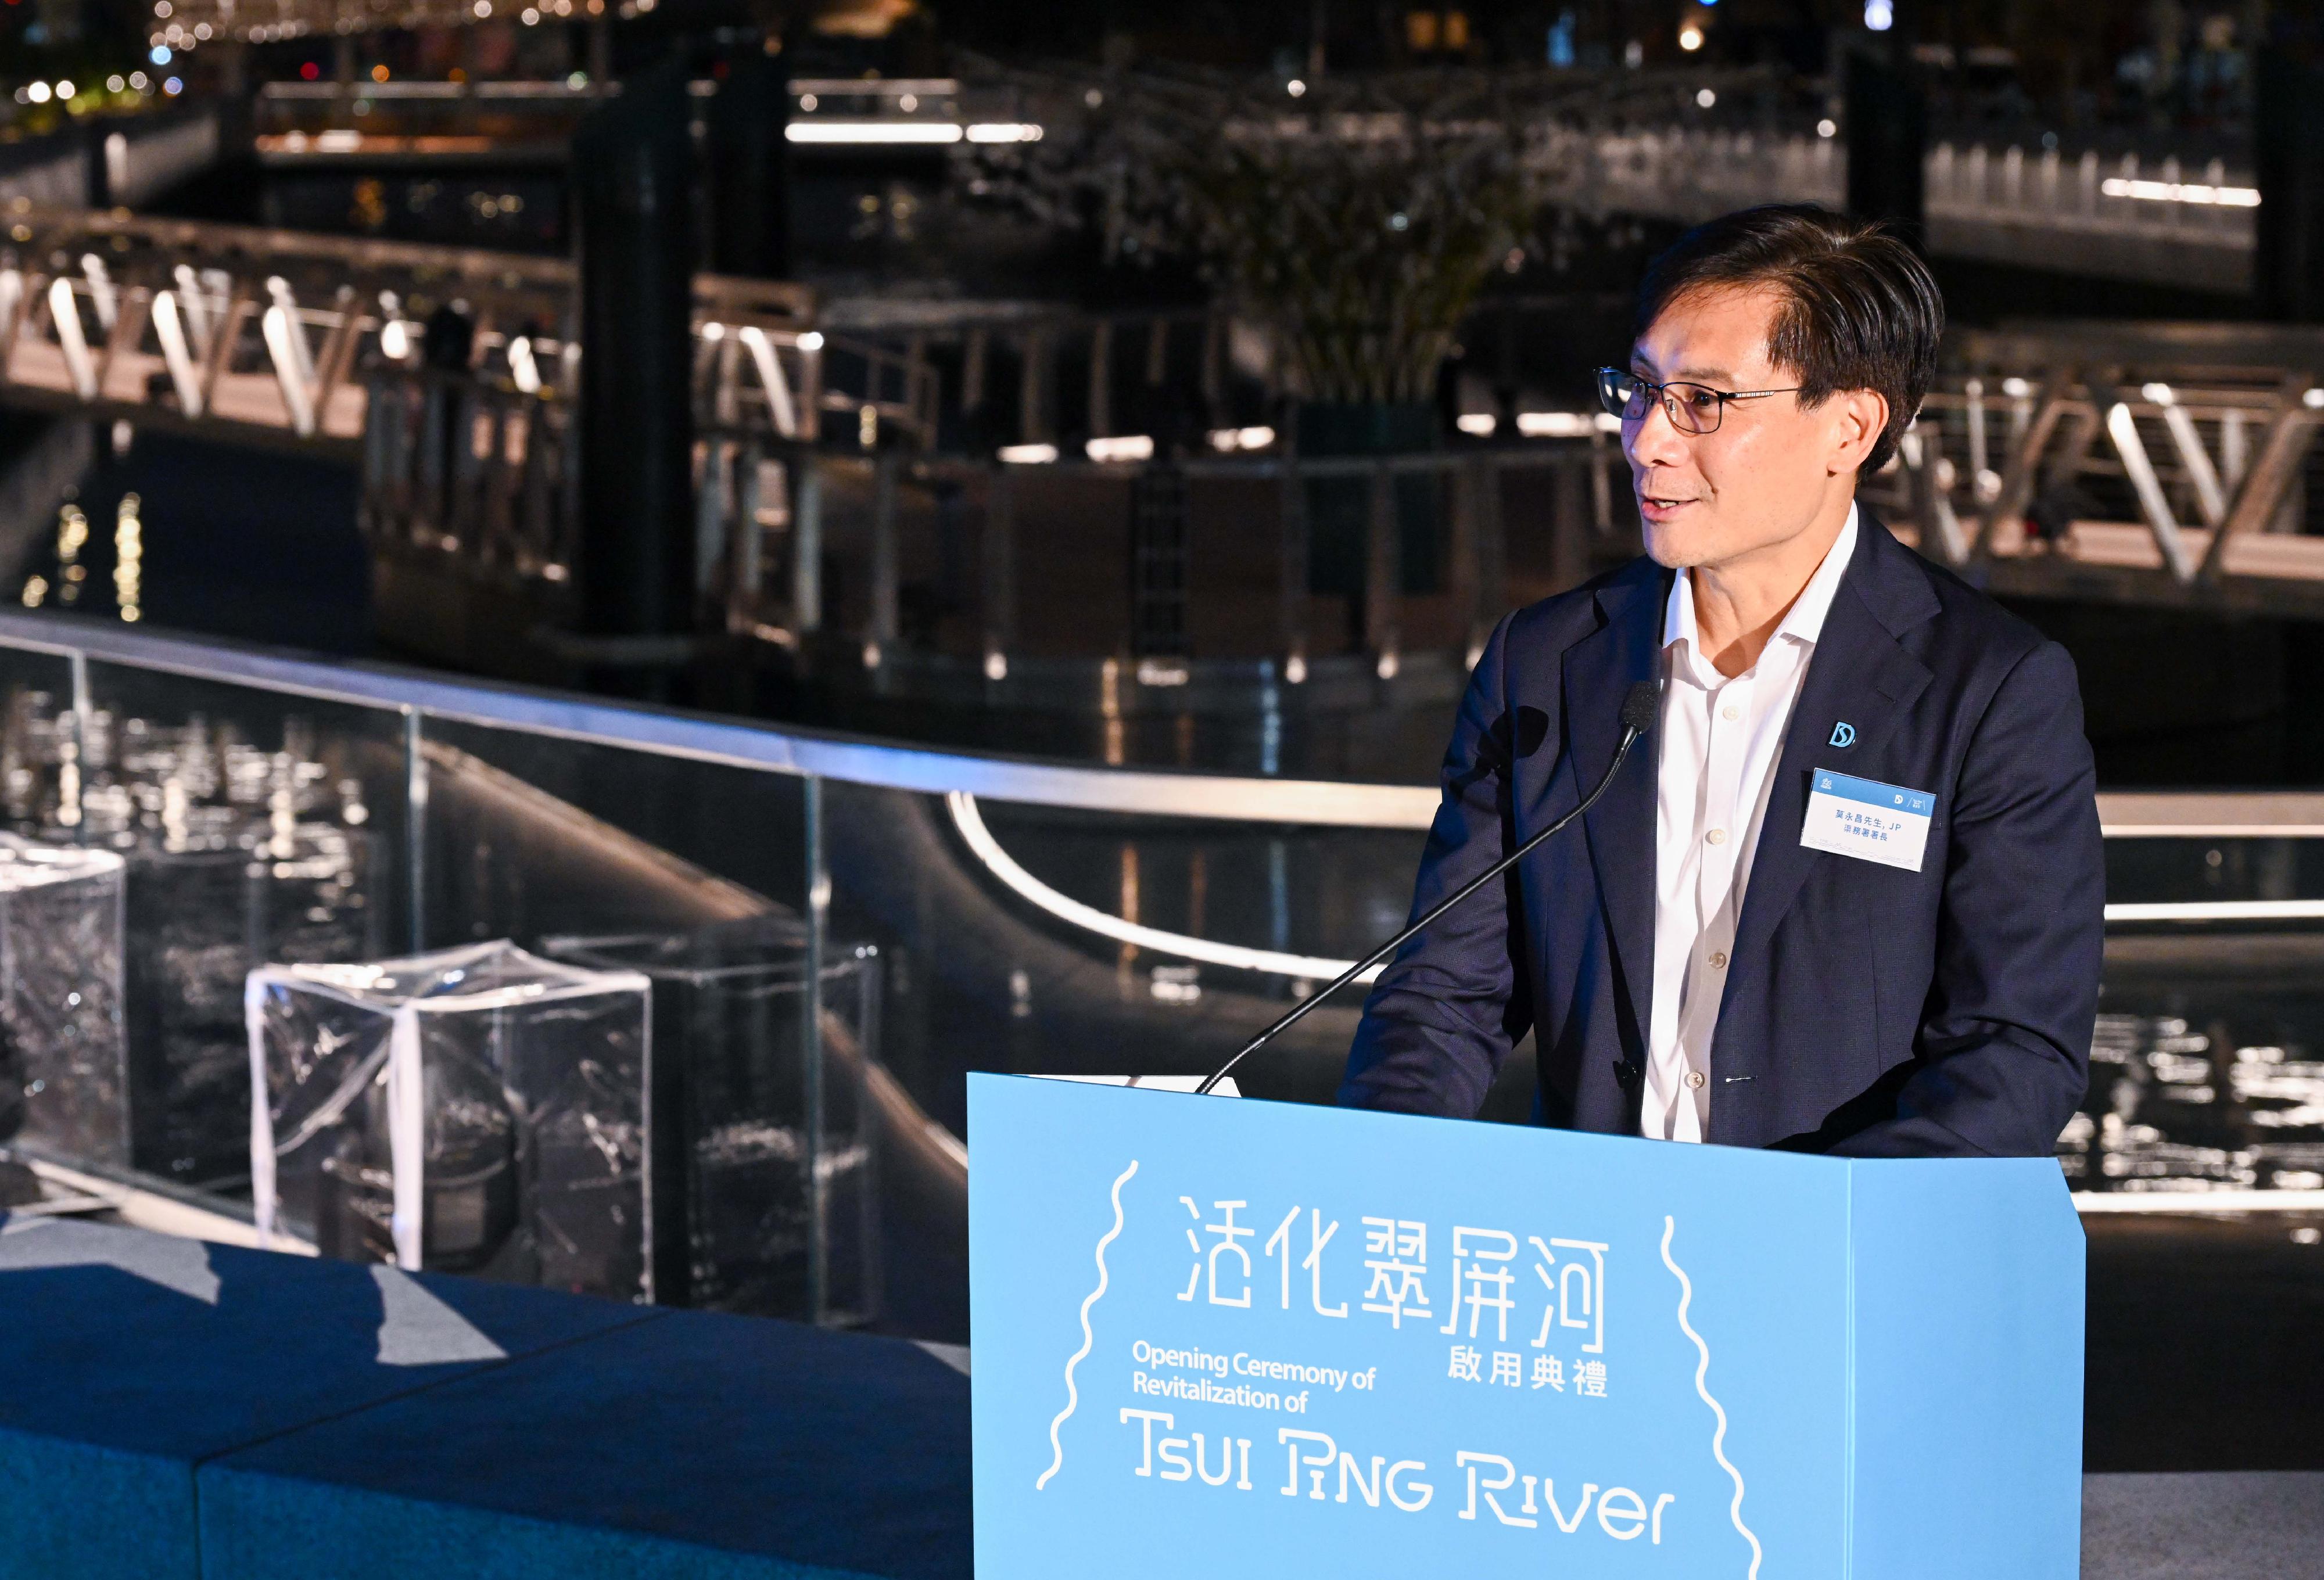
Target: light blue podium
(1242, 1338)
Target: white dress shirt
(1720, 741)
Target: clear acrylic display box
(63, 1061)
(778, 1213)
(478, 1110)
(235, 855)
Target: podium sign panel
(1246, 1338)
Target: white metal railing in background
(2161, 219)
(2156, 461)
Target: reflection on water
(2176, 1108)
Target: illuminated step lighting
(865, 132)
(1228, 440)
(1122, 447)
(1566, 425)
(2181, 192)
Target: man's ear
(1860, 416)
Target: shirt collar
(1803, 623)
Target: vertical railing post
(72, 797)
(807, 548)
(818, 1186)
(880, 634)
(415, 832)
(1100, 380)
(1294, 614)
(999, 573)
(1383, 571)
(744, 540)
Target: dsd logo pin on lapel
(1843, 734)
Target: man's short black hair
(1860, 311)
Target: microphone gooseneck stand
(1639, 706)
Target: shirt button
(1695, 1080)
(1718, 960)
(1717, 836)
(1730, 712)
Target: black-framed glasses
(1692, 408)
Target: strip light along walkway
(927, 132)
(2181, 192)
(1005, 867)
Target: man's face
(1772, 467)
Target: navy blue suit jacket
(1868, 1010)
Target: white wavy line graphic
(1701, 1369)
(1073, 1394)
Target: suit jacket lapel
(1858, 672)
(1598, 673)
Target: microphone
(1639, 706)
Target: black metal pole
(2288, 149)
(748, 164)
(632, 176)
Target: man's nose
(1653, 440)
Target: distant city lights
(37, 92)
(1879, 15)
(522, 368)
(1476, 425)
(1027, 455)
(1704, 98)
(1690, 38)
(1827, 127)
(173, 88)
(1295, 87)
(159, 55)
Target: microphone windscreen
(1641, 707)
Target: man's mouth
(1657, 506)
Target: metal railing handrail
(734, 743)
(891, 765)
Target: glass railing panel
(64, 1071)
(255, 827)
(758, 1153)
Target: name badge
(1873, 822)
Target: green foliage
(1356, 221)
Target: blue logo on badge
(1843, 734)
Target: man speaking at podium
(1848, 895)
